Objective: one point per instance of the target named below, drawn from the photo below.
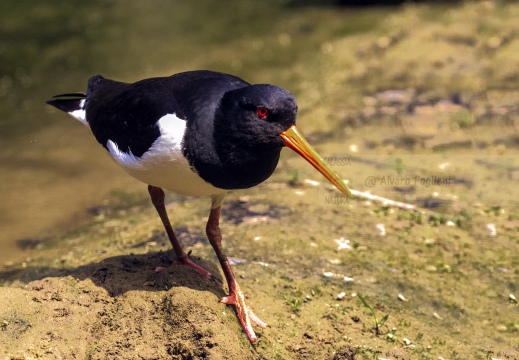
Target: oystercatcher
(198, 133)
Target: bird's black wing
(127, 114)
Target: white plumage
(164, 165)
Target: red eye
(262, 112)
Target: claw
(236, 296)
(245, 315)
(187, 261)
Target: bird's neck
(234, 165)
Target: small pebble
(443, 166)
(343, 244)
(261, 263)
(311, 182)
(382, 229)
(402, 298)
(492, 229)
(502, 328)
(236, 261)
(494, 42)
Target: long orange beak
(294, 140)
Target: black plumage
(197, 133)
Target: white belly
(163, 165)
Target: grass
(293, 302)
(378, 323)
(91, 351)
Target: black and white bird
(198, 133)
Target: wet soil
(448, 289)
(421, 110)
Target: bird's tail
(71, 103)
(68, 102)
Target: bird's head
(263, 116)
(255, 115)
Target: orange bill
(294, 140)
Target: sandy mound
(120, 308)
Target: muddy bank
(120, 308)
(423, 95)
(301, 270)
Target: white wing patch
(164, 165)
(126, 160)
(80, 113)
(172, 127)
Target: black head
(251, 126)
(255, 116)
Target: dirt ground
(120, 308)
(439, 282)
(443, 299)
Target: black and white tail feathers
(71, 103)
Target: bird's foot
(245, 315)
(187, 261)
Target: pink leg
(236, 296)
(157, 198)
